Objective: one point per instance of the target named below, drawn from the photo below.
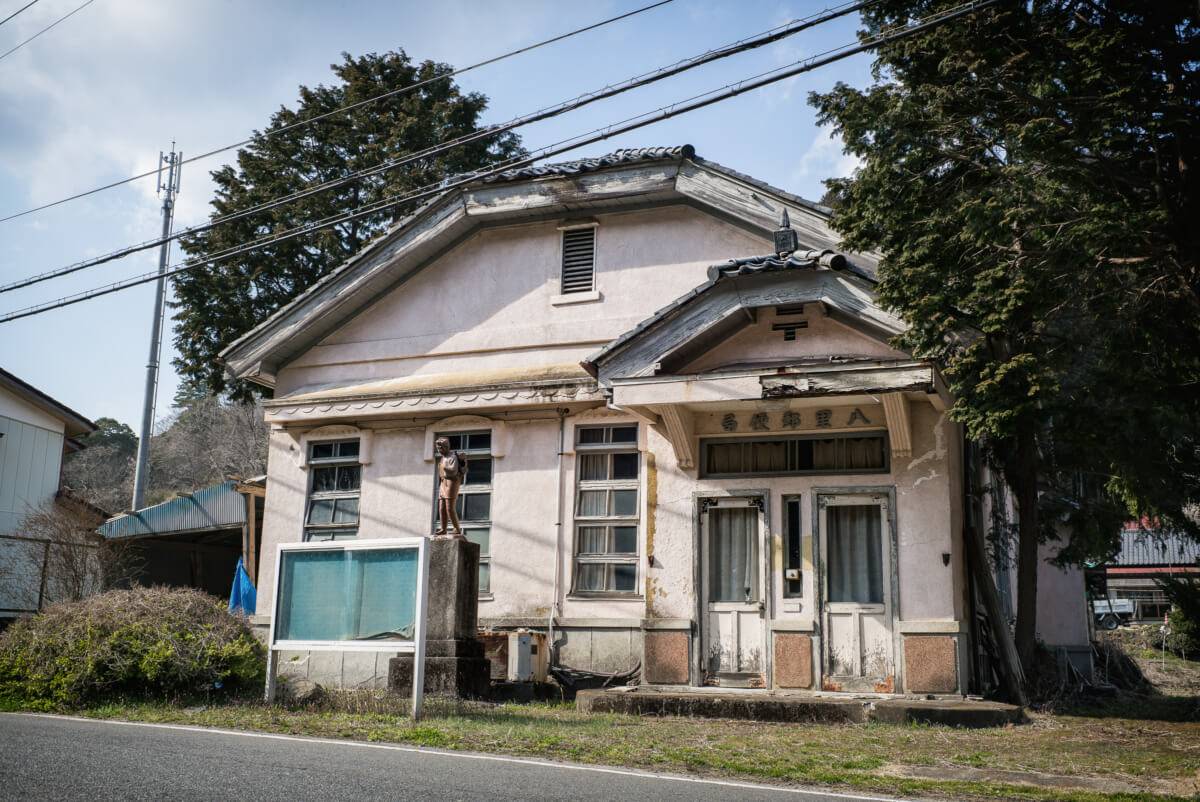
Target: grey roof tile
(624, 156)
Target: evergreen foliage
(1029, 174)
(216, 305)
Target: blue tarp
(243, 597)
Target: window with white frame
(606, 509)
(335, 481)
(474, 505)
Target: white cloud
(825, 159)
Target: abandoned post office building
(690, 443)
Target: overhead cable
(596, 135)
(611, 90)
(43, 30)
(18, 11)
(315, 118)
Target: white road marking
(470, 756)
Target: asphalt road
(59, 758)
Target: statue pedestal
(454, 661)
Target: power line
(740, 46)
(596, 135)
(43, 30)
(18, 11)
(310, 120)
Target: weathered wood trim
(680, 433)
(899, 421)
(713, 305)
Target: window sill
(486, 596)
(601, 595)
(576, 298)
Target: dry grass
(1118, 756)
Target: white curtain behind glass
(733, 554)
(855, 557)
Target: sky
(95, 99)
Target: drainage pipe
(558, 527)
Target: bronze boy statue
(452, 469)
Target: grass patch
(916, 760)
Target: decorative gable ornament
(786, 239)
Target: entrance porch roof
(677, 403)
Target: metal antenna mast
(174, 164)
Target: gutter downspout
(558, 526)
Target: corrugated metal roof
(1156, 547)
(216, 507)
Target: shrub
(143, 642)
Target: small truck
(1112, 613)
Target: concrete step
(772, 706)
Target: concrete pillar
(454, 661)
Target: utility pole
(168, 190)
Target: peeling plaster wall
(488, 303)
(929, 510)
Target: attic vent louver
(578, 260)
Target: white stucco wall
(489, 303)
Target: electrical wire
(742, 45)
(351, 107)
(662, 113)
(43, 30)
(18, 11)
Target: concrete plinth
(797, 707)
(454, 661)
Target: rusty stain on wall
(651, 509)
(887, 686)
(829, 685)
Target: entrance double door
(855, 591)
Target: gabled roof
(724, 304)
(75, 424)
(621, 181)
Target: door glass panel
(855, 554)
(733, 554)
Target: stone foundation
(930, 665)
(666, 657)
(793, 661)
